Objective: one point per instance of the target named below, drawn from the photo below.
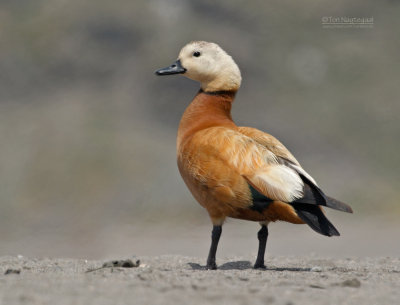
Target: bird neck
(208, 109)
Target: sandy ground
(360, 267)
(173, 279)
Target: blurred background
(87, 131)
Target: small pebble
(12, 271)
(127, 263)
(355, 283)
(124, 263)
(316, 269)
(317, 286)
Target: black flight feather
(315, 218)
(312, 194)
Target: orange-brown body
(239, 172)
(207, 137)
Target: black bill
(175, 68)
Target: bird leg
(262, 238)
(215, 235)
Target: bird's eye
(196, 54)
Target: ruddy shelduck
(239, 172)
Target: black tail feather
(314, 195)
(337, 205)
(315, 218)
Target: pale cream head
(207, 63)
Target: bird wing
(312, 194)
(258, 164)
(271, 143)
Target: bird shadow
(244, 265)
(239, 265)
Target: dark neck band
(231, 93)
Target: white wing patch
(279, 182)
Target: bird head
(207, 63)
